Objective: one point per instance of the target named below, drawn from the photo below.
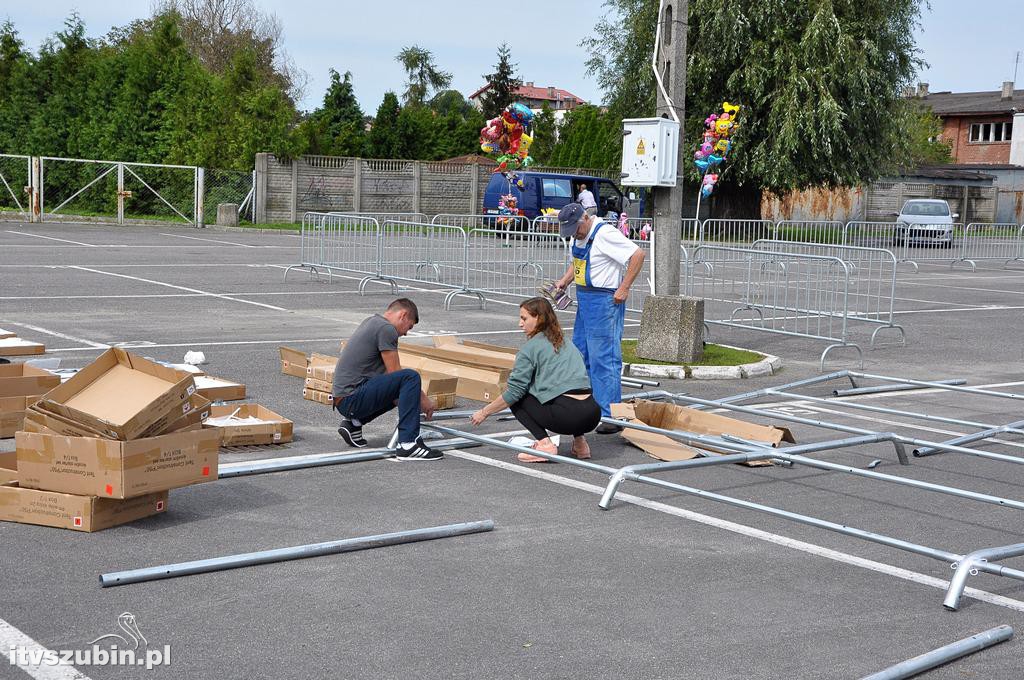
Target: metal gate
(15, 187)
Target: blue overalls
(597, 331)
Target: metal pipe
(938, 385)
(891, 388)
(642, 381)
(968, 438)
(120, 578)
(796, 383)
(972, 563)
(260, 467)
(942, 655)
(603, 469)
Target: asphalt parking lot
(662, 585)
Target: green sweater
(545, 373)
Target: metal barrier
(738, 450)
(1001, 241)
(496, 266)
(810, 231)
(872, 291)
(510, 223)
(15, 187)
(425, 253)
(797, 295)
(334, 242)
(382, 217)
(735, 232)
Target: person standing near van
(604, 265)
(586, 199)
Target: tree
(502, 85)
(383, 140)
(924, 134)
(424, 76)
(819, 82)
(587, 138)
(544, 135)
(337, 127)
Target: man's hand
(478, 417)
(620, 295)
(426, 406)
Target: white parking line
(751, 532)
(171, 285)
(213, 240)
(46, 331)
(11, 637)
(51, 238)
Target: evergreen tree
(383, 139)
(424, 76)
(544, 135)
(337, 127)
(503, 85)
(819, 83)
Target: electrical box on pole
(650, 152)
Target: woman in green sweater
(548, 389)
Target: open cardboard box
(67, 511)
(293, 362)
(275, 428)
(475, 357)
(219, 389)
(23, 380)
(119, 394)
(12, 414)
(6, 334)
(15, 347)
(673, 417)
(91, 466)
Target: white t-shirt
(586, 199)
(609, 255)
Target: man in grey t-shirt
(369, 381)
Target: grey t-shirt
(360, 360)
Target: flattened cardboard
(120, 394)
(22, 380)
(78, 513)
(276, 430)
(440, 340)
(38, 420)
(16, 347)
(318, 396)
(293, 362)
(500, 362)
(90, 466)
(12, 414)
(219, 389)
(6, 334)
(474, 383)
(673, 417)
(318, 385)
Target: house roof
(947, 172)
(973, 103)
(529, 91)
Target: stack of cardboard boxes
(105, 447)
(21, 386)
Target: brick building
(980, 126)
(557, 99)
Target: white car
(924, 221)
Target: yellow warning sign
(640, 150)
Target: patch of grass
(283, 226)
(714, 355)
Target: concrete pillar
(260, 183)
(1017, 140)
(672, 329)
(474, 188)
(357, 185)
(295, 190)
(417, 174)
(227, 214)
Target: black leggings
(561, 415)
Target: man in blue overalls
(604, 265)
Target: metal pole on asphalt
(120, 578)
(950, 652)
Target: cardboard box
(15, 346)
(321, 367)
(6, 334)
(318, 396)
(120, 394)
(443, 401)
(275, 429)
(473, 383)
(475, 357)
(22, 380)
(319, 385)
(673, 417)
(193, 412)
(8, 467)
(12, 414)
(38, 420)
(65, 511)
(441, 340)
(434, 383)
(219, 389)
(91, 466)
(293, 362)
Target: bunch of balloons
(508, 206)
(506, 136)
(716, 145)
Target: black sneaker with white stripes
(352, 434)
(418, 451)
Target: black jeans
(561, 415)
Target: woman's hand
(478, 417)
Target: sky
(968, 47)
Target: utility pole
(672, 326)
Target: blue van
(553, 190)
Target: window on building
(991, 132)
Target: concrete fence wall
(287, 189)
